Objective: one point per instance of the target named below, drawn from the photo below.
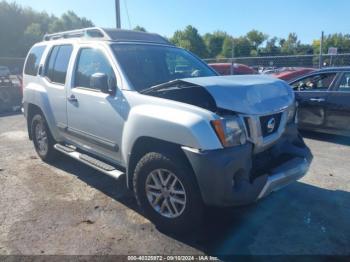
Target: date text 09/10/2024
(172, 258)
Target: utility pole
(117, 14)
(232, 56)
(321, 48)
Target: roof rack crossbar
(92, 32)
(108, 34)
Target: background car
(4, 71)
(232, 69)
(291, 73)
(324, 100)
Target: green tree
(227, 47)
(305, 49)
(21, 27)
(32, 34)
(68, 21)
(241, 45)
(191, 40)
(256, 38)
(214, 43)
(139, 28)
(290, 45)
(272, 47)
(340, 41)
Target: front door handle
(72, 99)
(319, 100)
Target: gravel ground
(69, 208)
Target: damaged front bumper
(237, 176)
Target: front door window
(319, 82)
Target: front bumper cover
(227, 177)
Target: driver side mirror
(99, 81)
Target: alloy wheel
(165, 193)
(41, 138)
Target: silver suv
(133, 106)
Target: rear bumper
(230, 176)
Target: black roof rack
(116, 35)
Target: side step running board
(90, 161)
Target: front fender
(175, 125)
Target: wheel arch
(144, 145)
(32, 110)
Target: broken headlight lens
(230, 131)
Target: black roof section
(109, 34)
(322, 70)
(334, 69)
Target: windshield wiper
(171, 84)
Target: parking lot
(69, 208)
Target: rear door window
(57, 64)
(33, 60)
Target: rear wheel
(167, 192)
(42, 139)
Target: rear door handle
(317, 100)
(72, 99)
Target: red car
(291, 73)
(232, 69)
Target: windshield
(149, 65)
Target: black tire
(50, 154)
(191, 215)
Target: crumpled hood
(247, 94)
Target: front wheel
(42, 139)
(167, 192)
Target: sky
(307, 18)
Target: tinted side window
(345, 82)
(33, 60)
(56, 68)
(49, 68)
(315, 82)
(91, 61)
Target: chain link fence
(11, 70)
(312, 61)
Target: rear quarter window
(57, 63)
(33, 60)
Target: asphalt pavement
(69, 208)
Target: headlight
(230, 131)
(291, 113)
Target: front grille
(267, 128)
